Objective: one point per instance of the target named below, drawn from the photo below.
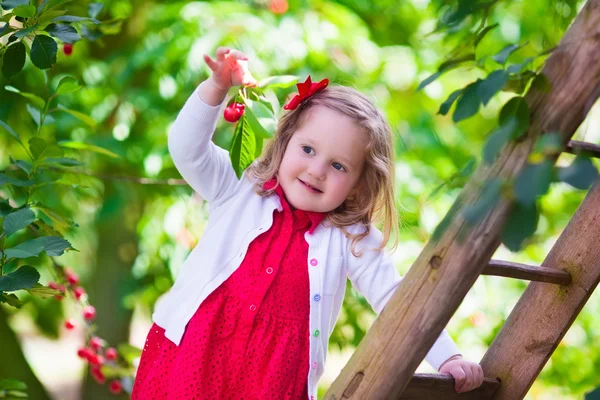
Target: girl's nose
(317, 170)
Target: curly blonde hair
(373, 200)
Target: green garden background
(132, 221)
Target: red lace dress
(250, 338)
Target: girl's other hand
(229, 69)
(467, 374)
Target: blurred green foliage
(136, 77)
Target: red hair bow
(305, 90)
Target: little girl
(251, 311)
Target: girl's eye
(338, 166)
(307, 149)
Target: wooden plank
(544, 313)
(441, 387)
(529, 272)
(438, 281)
(583, 148)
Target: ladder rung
(577, 147)
(528, 272)
(441, 387)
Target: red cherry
(96, 343)
(234, 112)
(96, 359)
(115, 387)
(71, 276)
(84, 353)
(70, 324)
(89, 313)
(53, 285)
(111, 354)
(68, 49)
(79, 291)
(98, 375)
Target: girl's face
(323, 161)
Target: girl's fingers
(459, 378)
(237, 55)
(210, 62)
(466, 386)
(221, 53)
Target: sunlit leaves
(43, 51)
(243, 146)
(521, 224)
(52, 245)
(14, 59)
(18, 220)
(23, 278)
(533, 181)
(503, 55)
(66, 33)
(581, 174)
(36, 100)
(66, 85)
(512, 123)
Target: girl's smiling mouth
(309, 187)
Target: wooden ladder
(383, 365)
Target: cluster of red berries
(94, 353)
(234, 112)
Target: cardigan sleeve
(205, 166)
(375, 277)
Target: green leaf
(490, 194)
(468, 104)
(68, 84)
(533, 181)
(10, 131)
(498, 139)
(14, 181)
(21, 33)
(42, 291)
(261, 119)
(541, 83)
(24, 165)
(581, 174)
(23, 278)
(10, 4)
(65, 161)
(43, 51)
(37, 116)
(482, 33)
(494, 82)
(50, 4)
(14, 59)
(41, 149)
(89, 147)
(55, 246)
(521, 224)
(29, 248)
(18, 220)
(429, 79)
(280, 81)
(47, 17)
(11, 300)
(243, 146)
(73, 18)
(445, 107)
(446, 66)
(548, 144)
(94, 9)
(66, 33)
(129, 352)
(503, 54)
(89, 121)
(516, 68)
(518, 109)
(37, 100)
(24, 11)
(5, 207)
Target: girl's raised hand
(467, 374)
(229, 69)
